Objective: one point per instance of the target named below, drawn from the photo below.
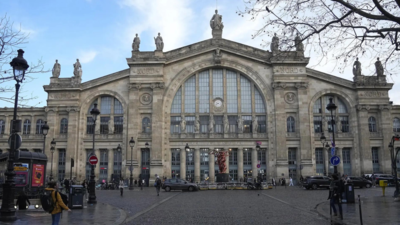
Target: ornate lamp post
(45, 130)
(7, 211)
(119, 150)
(52, 149)
(258, 148)
(132, 144)
(324, 142)
(92, 184)
(187, 149)
(332, 107)
(393, 156)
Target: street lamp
(187, 148)
(324, 144)
(45, 130)
(132, 144)
(120, 166)
(393, 156)
(52, 149)
(92, 189)
(7, 211)
(332, 107)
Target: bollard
(359, 205)
(383, 190)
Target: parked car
(179, 184)
(388, 177)
(315, 182)
(359, 182)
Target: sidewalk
(375, 210)
(99, 213)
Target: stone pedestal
(217, 33)
(222, 177)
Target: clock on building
(218, 103)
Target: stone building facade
(212, 95)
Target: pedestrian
(158, 185)
(336, 188)
(22, 200)
(273, 182)
(291, 182)
(84, 184)
(301, 179)
(135, 182)
(142, 185)
(373, 180)
(121, 186)
(66, 184)
(59, 204)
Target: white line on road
(150, 208)
(287, 203)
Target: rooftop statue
(159, 42)
(275, 43)
(379, 68)
(77, 69)
(136, 43)
(216, 21)
(357, 68)
(56, 69)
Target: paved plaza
(290, 205)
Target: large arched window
(39, 124)
(110, 118)
(218, 101)
(291, 125)
(27, 127)
(64, 126)
(372, 124)
(2, 126)
(320, 113)
(146, 125)
(396, 125)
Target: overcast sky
(100, 34)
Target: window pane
(317, 106)
(64, 126)
(245, 94)
(27, 127)
(118, 107)
(175, 124)
(104, 124)
(61, 164)
(177, 102)
(372, 124)
(342, 107)
(204, 90)
(39, 125)
(118, 124)
(218, 84)
(344, 120)
(232, 99)
(247, 121)
(219, 124)
(89, 125)
(262, 125)
(105, 105)
(204, 124)
(317, 124)
(396, 125)
(259, 102)
(146, 126)
(190, 95)
(189, 124)
(2, 126)
(232, 124)
(290, 124)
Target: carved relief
(145, 71)
(288, 69)
(63, 95)
(373, 94)
(146, 98)
(290, 97)
(278, 85)
(383, 107)
(301, 85)
(135, 86)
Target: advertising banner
(21, 178)
(37, 175)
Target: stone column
(33, 125)
(97, 167)
(110, 166)
(72, 145)
(133, 125)
(387, 132)
(197, 165)
(304, 128)
(326, 160)
(227, 164)
(365, 153)
(156, 155)
(55, 164)
(183, 164)
(280, 130)
(240, 163)
(254, 162)
(211, 167)
(51, 121)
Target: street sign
(12, 139)
(258, 165)
(335, 160)
(332, 151)
(93, 160)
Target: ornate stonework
(290, 97)
(146, 99)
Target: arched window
(64, 126)
(2, 126)
(27, 127)
(320, 113)
(39, 124)
(146, 125)
(396, 125)
(210, 102)
(110, 118)
(291, 125)
(372, 124)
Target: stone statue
(159, 43)
(255, 124)
(216, 21)
(197, 125)
(357, 68)
(183, 125)
(299, 45)
(136, 43)
(226, 124)
(56, 69)
(275, 43)
(211, 124)
(77, 69)
(111, 126)
(379, 68)
(240, 124)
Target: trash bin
(349, 193)
(75, 198)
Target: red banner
(37, 175)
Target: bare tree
(338, 30)
(11, 40)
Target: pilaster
(387, 132)
(197, 165)
(183, 164)
(240, 163)
(254, 161)
(211, 167)
(365, 152)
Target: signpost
(15, 141)
(333, 151)
(258, 165)
(93, 160)
(335, 160)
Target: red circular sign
(93, 160)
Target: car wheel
(167, 189)
(368, 185)
(314, 186)
(191, 188)
(307, 188)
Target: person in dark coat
(22, 200)
(66, 184)
(335, 195)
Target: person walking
(135, 182)
(141, 188)
(66, 184)
(336, 188)
(22, 200)
(59, 204)
(158, 185)
(291, 182)
(84, 184)
(373, 180)
(121, 186)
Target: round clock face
(218, 103)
